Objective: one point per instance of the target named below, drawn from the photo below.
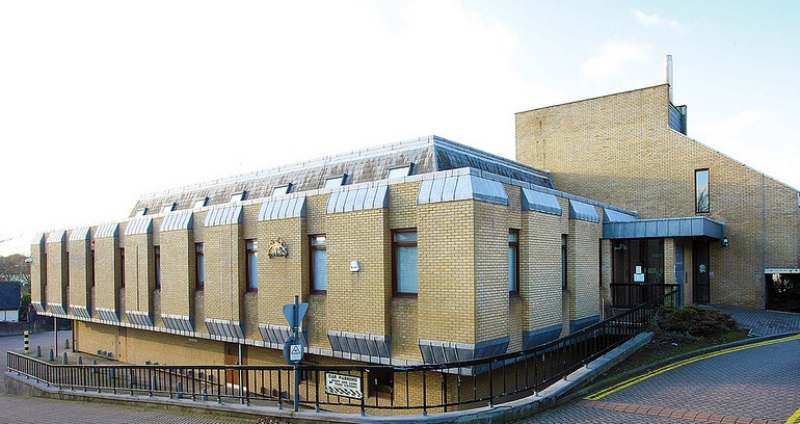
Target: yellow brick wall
(139, 273)
(491, 271)
(224, 272)
(361, 236)
(618, 149)
(57, 273)
(540, 269)
(39, 273)
(281, 278)
(583, 273)
(80, 273)
(107, 273)
(446, 271)
(177, 272)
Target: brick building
(424, 251)
(724, 231)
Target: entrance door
(700, 260)
(232, 358)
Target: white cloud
(613, 60)
(654, 20)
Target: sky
(102, 102)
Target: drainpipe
(762, 288)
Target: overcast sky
(102, 102)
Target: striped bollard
(27, 341)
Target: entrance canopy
(693, 226)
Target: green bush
(695, 321)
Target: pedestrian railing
(368, 389)
(631, 295)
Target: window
(404, 243)
(157, 253)
(564, 285)
(319, 259)
(238, 196)
(399, 172)
(701, 203)
(168, 208)
(513, 261)
(251, 262)
(122, 268)
(200, 267)
(335, 181)
(200, 203)
(141, 212)
(280, 190)
(92, 266)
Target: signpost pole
(296, 371)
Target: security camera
(28, 260)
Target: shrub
(695, 321)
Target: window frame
(122, 267)
(250, 256)
(316, 248)
(329, 181)
(697, 187)
(393, 172)
(396, 245)
(199, 267)
(513, 245)
(281, 190)
(157, 265)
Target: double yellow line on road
(638, 379)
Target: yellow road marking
(638, 379)
(795, 418)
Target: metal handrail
(479, 382)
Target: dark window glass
(200, 267)
(513, 261)
(251, 262)
(319, 263)
(702, 201)
(405, 263)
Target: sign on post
(288, 312)
(293, 350)
(343, 385)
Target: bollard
(64, 359)
(205, 394)
(179, 390)
(38, 351)
(52, 357)
(27, 341)
(153, 385)
(80, 360)
(112, 373)
(66, 344)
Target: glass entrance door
(700, 261)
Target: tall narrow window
(251, 259)
(702, 202)
(91, 270)
(157, 253)
(122, 268)
(319, 259)
(405, 263)
(200, 267)
(513, 261)
(564, 279)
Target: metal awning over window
(694, 226)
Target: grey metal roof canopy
(694, 226)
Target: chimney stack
(668, 66)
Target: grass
(669, 345)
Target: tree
(15, 268)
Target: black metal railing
(631, 295)
(413, 389)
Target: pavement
(755, 382)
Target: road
(43, 410)
(757, 383)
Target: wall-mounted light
(725, 242)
